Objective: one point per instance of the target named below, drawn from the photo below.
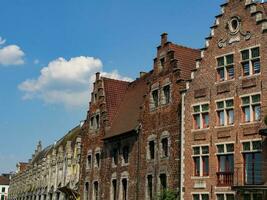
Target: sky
(50, 51)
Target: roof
(128, 113)
(4, 180)
(114, 93)
(186, 59)
(70, 136)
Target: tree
(167, 195)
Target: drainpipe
(182, 146)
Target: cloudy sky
(50, 51)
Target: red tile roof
(128, 114)
(114, 93)
(186, 59)
(4, 180)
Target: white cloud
(67, 82)
(11, 55)
(36, 61)
(2, 41)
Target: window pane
(255, 52)
(220, 105)
(196, 108)
(231, 72)
(245, 100)
(220, 61)
(229, 103)
(256, 98)
(196, 150)
(229, 148)
(229, 59)
(257, 196)
(220, 197)
(205, 150)
(257, 112)
(247, 197)
(205, 160)
(246, 111)
(197, 166)
(205, 197)
(245, 68)
(222, 163)
(221, 118)
(205, 120)
(230, 116)
(256, 66)
(256, 145)
(196, 197)
(155, 97)
(246, 146)
(258, 168)
(197, 121)
(230, 197)
(205, 107)
(166, 91)
(220, 148)
(221, 75)
(245, 55)
(230, 163)
(249, 168)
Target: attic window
(155, 97)
(166, 92)
(97, 122)
(97, 159)
(162, 62)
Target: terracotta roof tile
(128, 114)
(114, 93)
(186, 59)
(4, 180)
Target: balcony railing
(225, 178)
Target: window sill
(249, 76)
(250, 123)
(222, 127)
(199, 130)
(165, 158)
(125, 164)
(222, 82)
(199, 177)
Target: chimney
(39, 147)
(164, 38)
(142, 74)
(97, 76)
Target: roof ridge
(186, 47)
(115, 79)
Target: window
(86, 191)
(151, 149)
(167, 94)
(251, 108)
(162, 62)
(125, 154)
(200, 197)
(225, 112)
(225, 155)
(201, 116)
(225, 68)
(253, 162)
(2, 197)
(97, 160)
(114, 189)
(89, 161)
(97, 122)
(164, 147)
(124, 189)
(253, 196)
(3, 189)
(251, 61)
(201, 160)
(150, 187)
(225, 196)
(96, 191)
(115, 156)
(163, 182)
(155, 98)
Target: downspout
(182, 146)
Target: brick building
(224, 105)
(131, 135)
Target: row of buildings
(193, 125)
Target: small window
(163, 182)
(97, 122)
(201, 116)
(225, 68)
(150, 187)
(95, 194)
(151, 150)
(86, 191)
(3, 189)
(251, 108)
(115, 156)
(97, 159)
(155, 96)
(165, 147)
(251, 61)
(114, 189)
(166, 92)
(124, 188)
(162, 62)
(89, 161)
(125, 154)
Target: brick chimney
(164, 38)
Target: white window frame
(200, 155)
(200, 113)
(250, 59)
(251, 105)
(200, 194)
(225, 194)
(225, 109)
(225, 67)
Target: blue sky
(49, 51)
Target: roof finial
(164, 38)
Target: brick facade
(221, 138)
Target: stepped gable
(186, 59)
(127, 118)
(114, 93)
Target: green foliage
(167, 195)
